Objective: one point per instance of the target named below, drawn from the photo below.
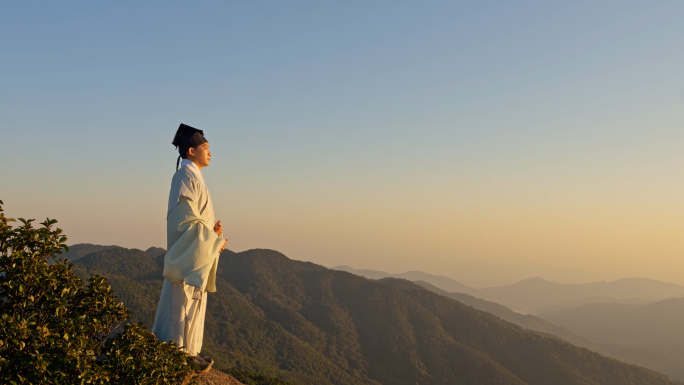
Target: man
(193, 242)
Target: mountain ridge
(312, 325)
(639, 355)
(441, 281)
(539, 295)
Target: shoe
(199, 364)
(207, 359)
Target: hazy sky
(486, 141)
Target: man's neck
(188, 162)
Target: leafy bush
(137, 357)
(54, 329)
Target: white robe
(190, 262)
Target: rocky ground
(213, 377)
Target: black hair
(187, 137)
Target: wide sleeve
(194, 247)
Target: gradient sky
(486, 141)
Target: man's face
(200, 155)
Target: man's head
(192, 145)
(199, 155)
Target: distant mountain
(657, 326)
(312, 325)
(370, 274)
(155, 251)
(636, 324)
(79, 250)
(440, 281)
(133, 273)
(523, 320)
(536, 295)
(651, 356)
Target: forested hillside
(311, 325)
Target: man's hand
(218, 228)
(224, 246)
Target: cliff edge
(213, 377)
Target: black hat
(187, 137)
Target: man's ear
(191, 151)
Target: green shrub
(137, 357)
(54, 329)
